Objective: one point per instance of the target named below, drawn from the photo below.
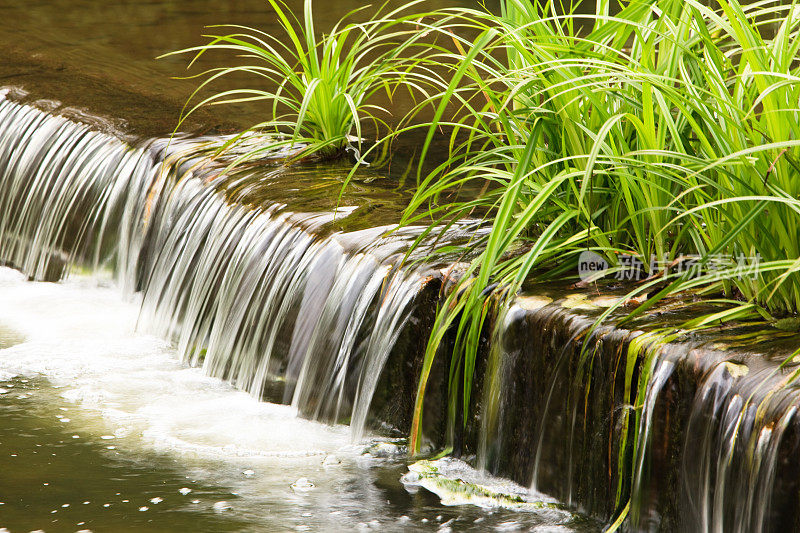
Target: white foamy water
(110, 387)
(80, 335)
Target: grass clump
(664, 130)
(317, 90)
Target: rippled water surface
(99, 55)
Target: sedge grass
(317, 91)
(667, 130)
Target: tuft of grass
(317, 90)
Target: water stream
(178, 311)
(103, 429)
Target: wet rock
(439, 477)
(384, 450)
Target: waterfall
(700, 440)
(250, 293)
(733, 448)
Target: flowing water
(103, 429)
(711, 445)
(125, 392)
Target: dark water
(99, 55)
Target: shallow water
(102, 428)
(99, 56)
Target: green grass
(667, 130)
(317, 90)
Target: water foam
(80, 335)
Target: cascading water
(248, 292)
(62, 186)
(734, 448)
(710, 440)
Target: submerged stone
(446, 478)
(384, 449)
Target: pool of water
(99, 56)
(104, 429)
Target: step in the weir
(700, 430)
(255, 276)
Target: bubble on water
(221, 506)
(248, 473)
(156, 500)
(107, 437)
(184, 490)
(65, 505)
(331, 460)
(302, 485)
(144, 508)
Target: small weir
(702, 433)
(705, 441)
(248, 293)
